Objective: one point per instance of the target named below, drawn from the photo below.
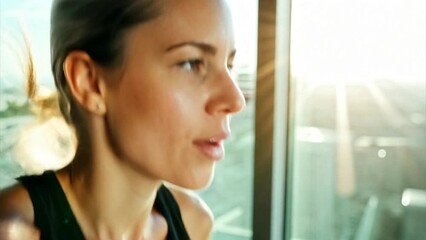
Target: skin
(146, 120)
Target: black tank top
(55, 220)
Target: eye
(192, 65)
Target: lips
(212, 147)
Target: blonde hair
(48, 142)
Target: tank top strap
(52, 212)
(55, 220)
(166, 204)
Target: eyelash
(197, 65)
(192, 65)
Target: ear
(83, 80)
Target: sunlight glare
(358, 41)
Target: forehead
(196, 8)
(206, 21)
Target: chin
(196, 182)
(195, 178)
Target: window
(357, 154)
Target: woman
(146, 86)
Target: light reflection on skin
(17, 230)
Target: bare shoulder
(196, 215)
(15, 202)
(16, 214)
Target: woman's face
(168, 114)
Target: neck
(110, 199)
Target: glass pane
(358, 148)
(230, 195)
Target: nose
(226, 97)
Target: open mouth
(213, 142)
(211, 148)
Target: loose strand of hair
(30, 71)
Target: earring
(99, 108)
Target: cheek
(175, 116)
(145, 118)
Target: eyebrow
(205, 47)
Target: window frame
(272, 118)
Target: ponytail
(48, 142)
